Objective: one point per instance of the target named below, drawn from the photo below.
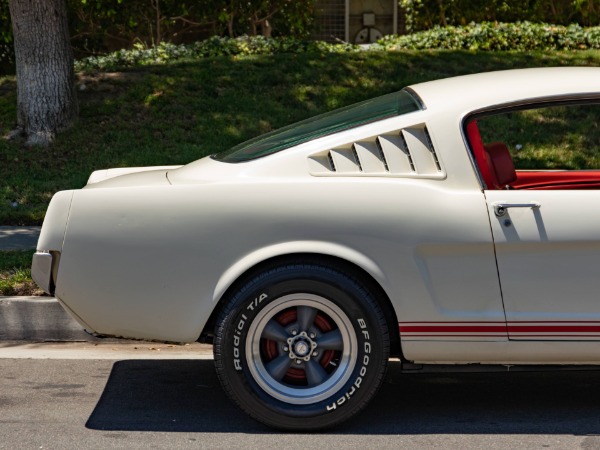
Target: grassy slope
(174, 114)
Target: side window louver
(407, 152)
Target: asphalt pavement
(158, 403)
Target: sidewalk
(105, 349)
(18, 238)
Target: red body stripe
(525, 328)
(451, 329)
(457, 335)
(500, 321)
(554, 329)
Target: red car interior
(498, 171)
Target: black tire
(301, 347)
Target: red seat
(500, 164)
(480, 155)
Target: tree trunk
(253, 22)
(46, 97)
(267, 29)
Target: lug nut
(298, 361)
(312, 335)
(294, 332)
(286, 348)
(315, 353)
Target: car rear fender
(258, 256)
(346, 259)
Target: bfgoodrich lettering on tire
(301, 347)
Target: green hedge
(521, 36)
(214, 46)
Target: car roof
(470, 92)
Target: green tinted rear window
(352, 116)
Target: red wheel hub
(271, 350)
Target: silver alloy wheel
(299, 346)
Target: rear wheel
(301, 347)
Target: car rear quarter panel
(151, 262)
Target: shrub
(425, 14)
(214, 46)
(521, 36)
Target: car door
(548, 254)
(546, 222)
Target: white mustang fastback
(454, 222)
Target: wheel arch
(358, 266)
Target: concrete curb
(38, 319)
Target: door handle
(501, 207)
